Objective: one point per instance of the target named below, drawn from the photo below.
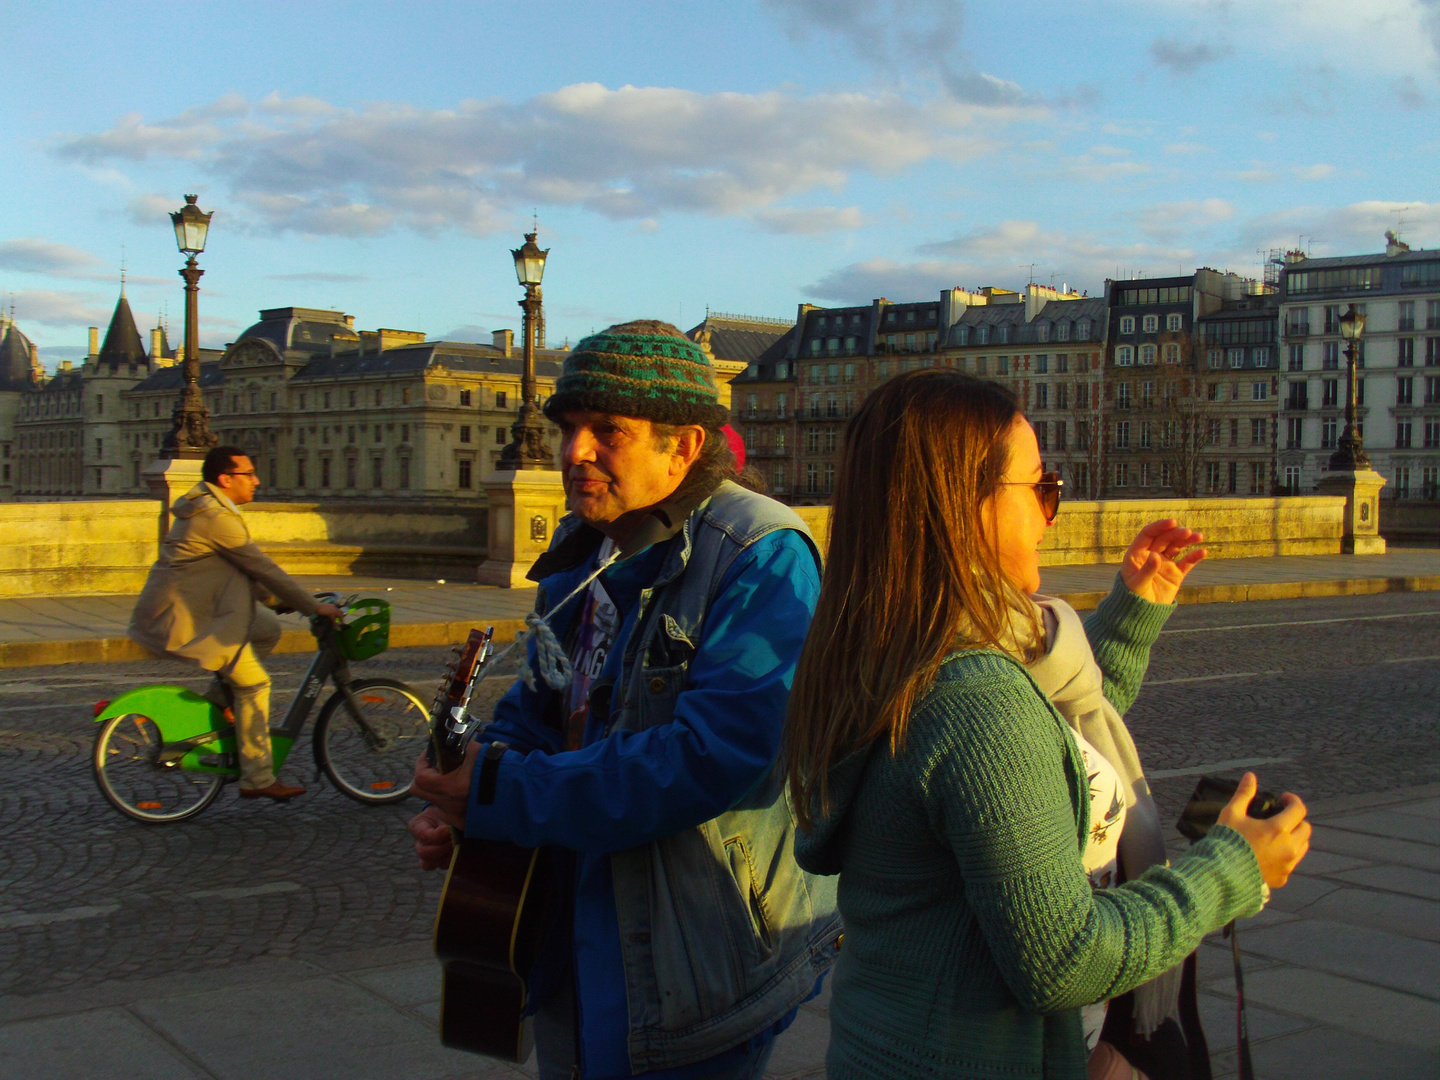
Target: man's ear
(689, 439)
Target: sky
(383, 158)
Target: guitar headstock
(454, 693)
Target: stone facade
(325, 411)
(1398, 290)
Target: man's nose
(578, 448)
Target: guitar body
(487, 932)
(493, 911)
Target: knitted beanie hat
(646, 369)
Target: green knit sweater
(972, 936)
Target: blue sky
(382, 158)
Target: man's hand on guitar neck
(447, 794)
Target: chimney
(156, 352)
(350, 322)
(94, 341)
(1393, 244)
(504, 340)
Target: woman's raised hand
(1279, 842)
(1156, 564)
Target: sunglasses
(1047, 490)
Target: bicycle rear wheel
(128, 771)
(373, 763)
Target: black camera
(1212, 793)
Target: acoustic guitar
(492, 912)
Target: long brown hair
(908, 572)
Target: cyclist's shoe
(277, 791)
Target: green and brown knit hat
(646, 369)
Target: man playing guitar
(683, 935)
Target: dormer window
(1062, 331)
(1004, 335)
(1082, 330)
(982, 335)
(1042, 331)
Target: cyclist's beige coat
(199, 600)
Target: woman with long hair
(938, 760)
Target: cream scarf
(1070, 678)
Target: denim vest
(721, 932)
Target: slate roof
(1027, 333)
(307, 329)
(455, 355)
(15, 360)
(122, 340)
(173, 377)
(757, 344)
(1379, 258)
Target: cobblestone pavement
(116, 898)
(1327, 697)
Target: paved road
(1338, 696)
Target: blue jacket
(693, 928)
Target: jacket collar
(576, 541)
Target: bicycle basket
(366, 632)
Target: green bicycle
(163, 753)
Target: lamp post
(1350, 453)
(527, 448)
(190, 435)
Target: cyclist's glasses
(1047, 490)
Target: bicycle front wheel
(372, 758)
(129, 773)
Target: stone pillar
(524, 508)
(168, 479)
(1361, 489)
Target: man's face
(239, 481)
(613, 467)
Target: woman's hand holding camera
(1280, 841)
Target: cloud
(51, 308)
(31, 255)
(1166, 222)
(1356, 228)
(809, 219)
(992, 255)
(1182, 59)
(1313, 172)
(628, 154)
(150, 209)
(1256, 174)
(1408, 93)
(1186, 148)
(320, 277)
(910, 36)
(1086, 167)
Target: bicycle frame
(193, 726)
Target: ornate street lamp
(1350, 452)
(189, 435)
(527, 448)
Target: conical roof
(14, 360)
(122, 340)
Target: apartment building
(1398, 366)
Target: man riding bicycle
(202, 604)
